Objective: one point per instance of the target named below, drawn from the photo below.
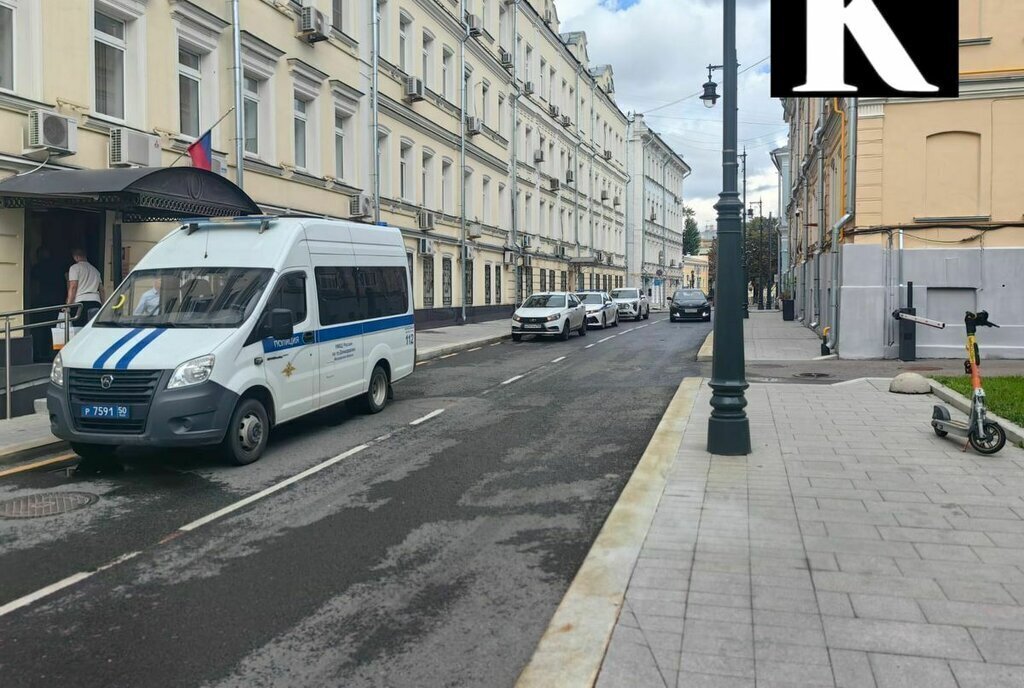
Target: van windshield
(185, 297)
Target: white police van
(227, 328)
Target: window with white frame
(385, 163)
(485, 13)
(485, 200)
(405, 170)
(527, 60)
(502, 123)
(427, 197)
(251, 114)
(428, 60)
(300, 122)
(338, 15)
(190, 78)
(503, 26)
(341, 124)
(467, 192)
(110, 48)
(447, 76)
(384, 27)
(6, 47)
(404, 47)
(447, 202)
(503, 208)
(542, 91)
(485, 101)
(259, 61)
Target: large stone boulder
(910, 383)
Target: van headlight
(57, 372)
(192, 372)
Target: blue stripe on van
(330, 334)
(114, 347)
(138, 347)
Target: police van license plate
(108, 411)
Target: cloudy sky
(659, 50)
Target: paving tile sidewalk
(767, 337)
(851, 548)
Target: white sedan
(553, 314)
(601, 310)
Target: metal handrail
(63, 308)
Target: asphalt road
(426, 554)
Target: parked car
(601, 310)
(689, 304)
(631, 302)
(552, 314)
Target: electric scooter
(984, 435)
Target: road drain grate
(45, 504)
(812, 376)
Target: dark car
(689, 304)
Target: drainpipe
(514, 182)
(576, 163)
(643, 206)
(462, 152)
(849, 144)
(593, 148)
(821, 212)
(375, 105)
(236, 40)
(630, 130)
(664, 230)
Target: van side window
(348, 294)
(336, 293)
(383, 291)
(290, 293)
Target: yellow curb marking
(572, 648)
(37, 464)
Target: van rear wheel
(247, 434)
(376, 397)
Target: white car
(601, 310)
(553, 314)
(632, 303)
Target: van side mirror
(278, 324)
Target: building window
(527, 63)
(551, 279)
(487, 285)
(251, 114)
(340, 124)
(109, 56)
(428, 281)
(405, 171)
(565, 281)
(543, 280)
(467, 192)
(427, 198)
(404, 26)
(502, 125)
(446, 282)
(485, 200)
(338, 15)
(299, 109)
(497, 284)
(529, 281)
(385, 164)
(384, 26)
(6, 48)
(543, 91)
(446, 73)
(447, 202)
(485, 101)
(467, 284)
(428, 59)
(189, 79)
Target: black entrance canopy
(140, 194)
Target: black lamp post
(728, 428)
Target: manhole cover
(45, 504)
(812, 376)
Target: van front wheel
(376, 397)
(247, 433)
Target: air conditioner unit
(474, 230)
(425, 219)
(427, 247)
(538, 155)
(474, 125)
(526, 241)
(509, 257)
(562, 252)
(413, 89)
(604, 195)
(555, 184)
(360, 206)
(607, 154)
(616, 201)
(50, 133)
(554, 110)
(528, 88)
(474, 25)
(527, 261)
(312, 25)
(505, 58)
(468, 252)
(569, 177)
(219, 165)
(129, 148)
(566, 122)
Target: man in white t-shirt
(85, 286)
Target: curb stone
(460, 346)
(704, 355)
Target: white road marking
(382, 438)
(629, 330)
(272, 489)
(512, 379)
(602, 341)
(448, 355)
(427, 417)
(560, 358)
(496, 344)
(476, 349)
(61, 584)
(589, 346)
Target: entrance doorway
(50, 236)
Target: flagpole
(184, 152)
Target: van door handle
(307, 337)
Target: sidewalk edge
(28, 450)
(1014, 432)
(704, 355)
(456, 348)
(571, 651)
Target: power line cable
(694, 95)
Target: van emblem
(106, 381)
(288, 370)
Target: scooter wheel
(940, 433)
(993, 441)
(939, 413)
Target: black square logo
(865, 48)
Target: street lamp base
(729, 436)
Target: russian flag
(201, 152)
